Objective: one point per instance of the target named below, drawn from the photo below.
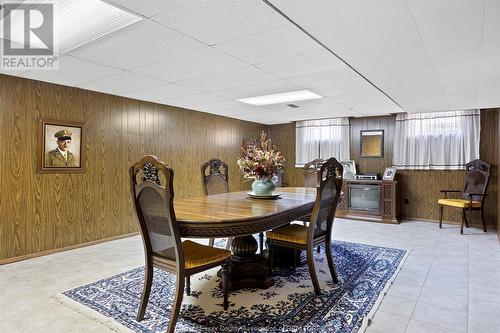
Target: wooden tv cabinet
(356, 207)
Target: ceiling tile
(72, 71)
(195, 64)
(370, 15)
(137, 45)
(488, 97)
(214, 22)
(421, 8)
(253, 90)
(462, 100)
(459, 54)
(489, 85)
(237, 111)
(12, 72)
(394, 40)
(229, 79)
(197, 99)
(456, 27)
(336, 89)
(223, 105)
(121, 83)
(491, 33)
(267, 118)
(278, 43)
(313, 62)
(326, 78)
(160, 93)
(490, 60)
(462, 76)
(146, 8)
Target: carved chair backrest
(327, 198)
(311, 172)
(151, 185)
(477, 179)
(214, 177)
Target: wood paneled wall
(42, 212)
(372, 164)
(420, 188)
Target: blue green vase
(263, 187)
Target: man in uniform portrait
(61, 156)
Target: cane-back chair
(151, 183)
(214, 177)
(311, 172)
(472, 196)
(311, 179)
(215, 180)
(319, 230)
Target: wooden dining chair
(151, 184)
(215, 180)
(311, 179)
(311, 172)
(319, 230)
(472, 196)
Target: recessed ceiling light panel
(76, 23)
(291, 96)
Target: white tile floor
(449, 283)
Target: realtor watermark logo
(28, 37)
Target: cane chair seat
(197, 255)
(292, 233)
(459, 203)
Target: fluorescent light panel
(76, 23)
(291, 96)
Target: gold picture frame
(372, 143)
(60, 146)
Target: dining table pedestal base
(247, 269)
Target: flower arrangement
(260, 162)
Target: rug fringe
(371, 314)
(91, 314)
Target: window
(436, 141)
(323, 138)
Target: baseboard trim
(474, 224)
(66, 248)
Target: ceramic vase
(264, 187)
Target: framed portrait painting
(60, 146)
(349, 169)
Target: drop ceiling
(373, 57)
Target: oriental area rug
(290, 305)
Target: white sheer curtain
(307, 137)
(323, 138)
(436, 141)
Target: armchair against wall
(472, 196)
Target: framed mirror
(372, 143)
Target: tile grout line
(468, 287)
(420, 292)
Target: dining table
(240, 216)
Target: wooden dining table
(236, 214)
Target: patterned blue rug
(289, 306)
